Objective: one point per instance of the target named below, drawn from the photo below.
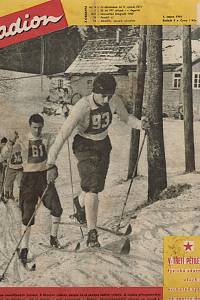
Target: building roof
(56, 75)
(105, 55)
(102, 55)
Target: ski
(124, 250)
(63, 248)
(80, 248)
(29, 266)
(112, 231)
(117, 232)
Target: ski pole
(18, 244)
(131, 182)
(71, 180)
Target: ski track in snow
(143, 267)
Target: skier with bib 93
(91, 116)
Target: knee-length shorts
(32, 187)
(93, 162)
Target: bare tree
(138, 102)
(157, 176)
(188, 100)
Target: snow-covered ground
(143, 266)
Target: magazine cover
(99, 150)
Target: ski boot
(80, 212)
(92, 240)
(23, 256)
(54, 242)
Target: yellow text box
(118, 12)
(181, 267)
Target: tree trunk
(140, 81)
(187, 100)
(157, 176)
(42, 62)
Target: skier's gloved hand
(52, 173)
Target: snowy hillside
(143, 266)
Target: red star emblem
(188, 246)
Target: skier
(11, 153)
(3, 143)
(34, 182)
(92, 116)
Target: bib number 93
(101, 121)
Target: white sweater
(80, 118)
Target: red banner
(89, 293)
(32, 22)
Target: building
(172, 69)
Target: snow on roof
(105, 55)
(172, 52)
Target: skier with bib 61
(34, 183)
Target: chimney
(118, 35)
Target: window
(177, 80)
(60, 83)
(196, 80)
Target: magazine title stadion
(28, 24)
(32, 22)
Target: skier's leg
(27, 202)
(96, 182)
(91, 207)
(91, 185)
(11, 196)
(52, 202)
(9, 183)
(79, 204)
(93, 161)
(81, 198)
(18, 179)
(25, 244)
